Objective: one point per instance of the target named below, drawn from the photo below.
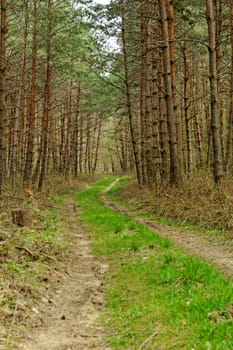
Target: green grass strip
(158, 296)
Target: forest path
(69, 320)
(221, 256)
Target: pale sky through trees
(103, 2)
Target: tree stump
(20, 217)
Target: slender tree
(228, 154)
(32, 106)
(47, 97)
(175, 174)
(171, 36)
(3, 110)
(217, 150)
(128, 94)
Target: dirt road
(70, 318)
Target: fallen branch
(27, 251)
(36, 255)
(50, 258)
(148, 340)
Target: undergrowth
(158, 296)
(30, 259)
(196, 205)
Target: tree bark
(76, 128)
(142, 90)
(80, 158)
(3, 110)
(175, 174)
(217, 150)
(97, 145)
(47, 98)
(171, 36)
(32, 107)
(148, 101)
(228, 153)
(128, 94)
(186, 111)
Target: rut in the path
(221, 256)
(69, 323)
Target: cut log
(20, 217)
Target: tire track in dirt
(220, 256)
(69, 320)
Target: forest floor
(64, 313)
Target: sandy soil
(69, 319)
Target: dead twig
(12, 324)
(89, 336)
(148, 340)
(58, 273)
(50, 258)
(27, 251)
(68, 273)
(36, 255)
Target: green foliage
(154, 287)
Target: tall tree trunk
(171, 36)
(19, 116)
(47, 98)
(142, 90)
(163, 133)
(80, 158)
(24, 100)
(97, 145)
(186, 110)
(3, 110)
(32, 107)
(68, 112)
(148, 101)
(228, 154)
(62, 141)
(197, 114)
(128, 94)
(76, 128)
(155, 108)
(87, 160)
(53, 143)
(219, 65)
(217, 150)
(175, 174)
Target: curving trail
(221, 256)
(69, 319)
